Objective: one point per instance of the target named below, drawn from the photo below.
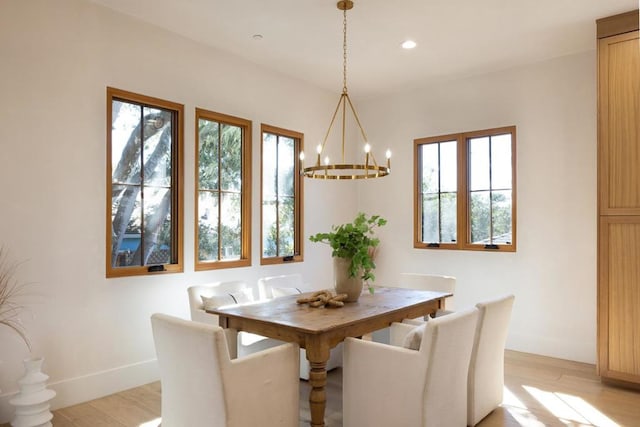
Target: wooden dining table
(318, 330)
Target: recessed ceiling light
(257, 36)
(408, 44)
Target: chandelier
(323, 168)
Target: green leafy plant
(10, 292)
(355, 241)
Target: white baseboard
(88, 387)
(562, 349)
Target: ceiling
(456, 38)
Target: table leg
(317, 396)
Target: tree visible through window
(490, 189)
(439, 195)
(281, 195)
(465, 190)
(223, 191)
(144, 144)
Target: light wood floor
(539, 391)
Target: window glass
(208, 245)
(501, 161)
(449, 167)
(281, 208)
(144, 142)
(490, 170)
(223, 197)
(439, 191)
(479, 155)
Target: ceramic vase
(32, 402)
(352, 286)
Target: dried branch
(11, 291)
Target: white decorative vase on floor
(32, 402)
(352, 286)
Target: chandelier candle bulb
(301, 156)
(367, 149)
(388, 154)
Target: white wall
(553, 272)
(57, 58)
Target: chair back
(284, 281)
(429, 282)
(486, 368)
(196, 293)
(190, 355)
(447, 344)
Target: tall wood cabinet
(619, 198)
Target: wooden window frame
(463, 222)
(245, 192)
(298, 188)
(177, 185)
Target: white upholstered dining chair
(275, 286)
(425, 282)
(431, 282)
(291, 284)
(385, 385)
(224, 294)
(486, 369)
(486, 365)
(203, 386)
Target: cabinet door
(619, 298)
(619, 124)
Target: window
(223, 191)
(439, 192)
(281, 208)
(465, 191)
(144, 185)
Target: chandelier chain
(344, 51)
